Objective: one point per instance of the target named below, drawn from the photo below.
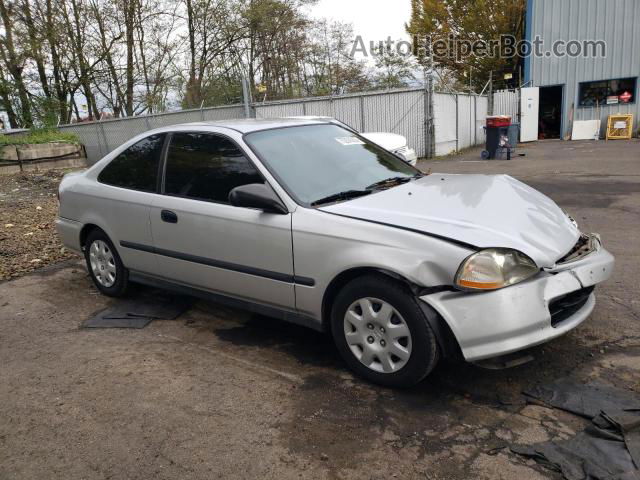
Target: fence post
(490, 98)
(19, 156)
(429, 127)
(426, 123)
(362, 115)
(457, 125)
(245, 97)
(104, 138)
(475, 120)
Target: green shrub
(38, 136)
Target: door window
(137, 167)
(206, 167)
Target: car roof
(248, 125)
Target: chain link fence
(458, 119)
(100, 138)
(505, 102)
(400, 112)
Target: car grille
(583, 247)
(564, 307)
(402, 150)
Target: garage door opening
(550, 116)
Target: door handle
(169, 216)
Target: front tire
(105, 266)
(382, 333)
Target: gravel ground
(220, 393)
(28, 208)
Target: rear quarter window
(137, 167)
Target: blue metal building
(602, 79)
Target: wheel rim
(103, 263)
(377, 335)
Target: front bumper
(491, 324)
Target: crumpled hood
(480, 210)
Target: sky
(375, 20)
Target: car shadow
(450, 377)
(559, 358)
(306, 346)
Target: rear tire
(104, 264)
(382, 333)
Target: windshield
(316, 162)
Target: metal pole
(104, 136)
(457, 126)
(429, 131)
(490, 99)
(245, 96)
(427, 146)
(475, 120)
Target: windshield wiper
(390, 182)
(346, 195)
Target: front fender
(326, 245)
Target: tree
(272, 51)
(331, 70)
(469, 20)
(50, 24)
(77, 60)
(14, 59)
(394, 70)
(213, 27)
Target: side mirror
(257, 195)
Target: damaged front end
(500, 322)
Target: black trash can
(498, 142)
(507, 151)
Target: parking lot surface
(220, 393)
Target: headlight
(400, 154)
(494, 268)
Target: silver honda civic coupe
(309, 222)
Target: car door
(127, 187)
(201, 240)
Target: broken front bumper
(490, 324)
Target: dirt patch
(28, 208)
